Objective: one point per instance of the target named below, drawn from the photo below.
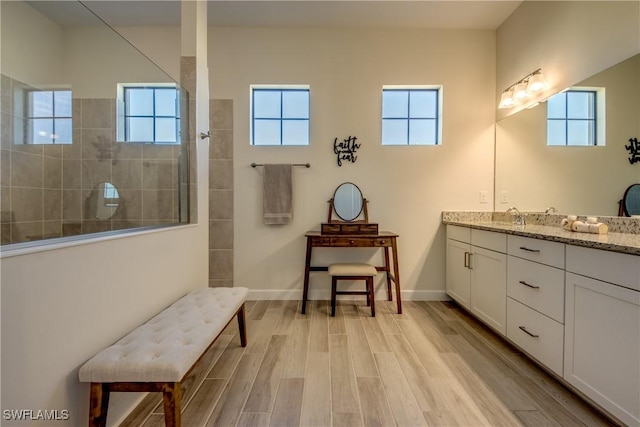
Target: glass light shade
(537, 82)
(506, 100)
(520, 91)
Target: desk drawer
(360, 242)
(321, 241)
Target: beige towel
(277, 195)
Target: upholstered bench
(158, 355)
(353, 271)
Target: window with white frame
(280, 115)
(48, 117)
(576, 117)
(411, 115)
(149, 114)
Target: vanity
(570, 301)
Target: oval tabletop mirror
(105, 200)
(631, 200)
(348, 201)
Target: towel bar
(306, 165)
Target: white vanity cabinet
(602, 329)
(535, 298)
(476, 273)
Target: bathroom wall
(61, 304)
(407, 187)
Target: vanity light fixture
(523, 89)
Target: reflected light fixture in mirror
(524, 90)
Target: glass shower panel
(65, 172)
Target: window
(411, 115)
(49, 117)
(151, 114)
(573, 118)
(280, 115)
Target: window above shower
(83, 151)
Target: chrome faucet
(550, 210)
(518, 218)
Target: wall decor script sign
(634, 150)
(346, 150)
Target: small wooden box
(349, 228)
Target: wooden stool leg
(334, 286)
(242, 326)
(98, 405)
(172, 399)
(368, 290)
(371, 296)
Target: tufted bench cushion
(161, 352)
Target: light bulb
(537, 82)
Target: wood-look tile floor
(433, 365)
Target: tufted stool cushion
(167, 346)
(352, 269)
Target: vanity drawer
(537, 334)
(542, 251)
(461, 234)
(537, 286)
(489, 240)
(617, 268)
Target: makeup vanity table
(384, 239)
(348, 232)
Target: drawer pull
(467, 260)
(524, 248)
(522, 282)
(382, 242)
(352, 242)
(523, 329)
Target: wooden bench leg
(242, 326)
(172, 400)
(98, 405)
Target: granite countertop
(613, 241)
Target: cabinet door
(602, 344)
(458, 275)
(489, 287)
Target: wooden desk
(383, 239)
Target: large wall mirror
(85, 116)
(574, 179)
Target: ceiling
(452, 14)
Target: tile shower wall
(46, 189)
(221, 193)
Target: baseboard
(284, 294)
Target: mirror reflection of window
(48, 117)
(573, 118)
(151, 114)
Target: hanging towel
(277, 195)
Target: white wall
(61, 306)
(407, 187)
(569, 40)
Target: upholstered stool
(352, 271)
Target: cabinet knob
(383, 242)
(352, 242)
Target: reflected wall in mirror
(348, 201)
(104, 201)
(591, 180)
(75, 110)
